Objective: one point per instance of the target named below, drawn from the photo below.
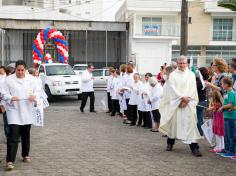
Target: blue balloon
(61, 58)
(46, 33)
(61, 41)
(37, 51)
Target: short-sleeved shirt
(230, 97)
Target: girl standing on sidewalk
(218, 121)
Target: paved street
(72, 143)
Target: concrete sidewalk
(95, 144)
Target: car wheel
(48, 92)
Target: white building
(82, 10)
(155, 32)
(99, 42)
(154, 27)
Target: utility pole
(184, 28)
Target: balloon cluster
(58, 38)
(48, 58)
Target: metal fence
(101, 48)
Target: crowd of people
(174, 103)
(177, 101)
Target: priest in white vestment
(178, 108)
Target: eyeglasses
(181, 63)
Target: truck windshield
(52, 70)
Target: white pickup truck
(59, 79)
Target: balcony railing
(164, 30)
(230, 4)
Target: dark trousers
(200, 114)
(156, 116)
(16, 131)
(84, 97)
(133, 114)
(230, 135)
(5, 122)
(127, 112)
(140, 117)
(109, 103)
(115, 107)
(147, 119)
(193, 146)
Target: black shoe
(112, 114)
(196, 153)
(132, 124)
(169, 147)
(81, 110)
(93, 111)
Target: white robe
(2, 82)
(109, 81)
(135, 93)
(114, 85)
(87, 82)
(129, 80)
(19, 112)
(155, 96)
(144, 93)
(176, 122)
(122, 84)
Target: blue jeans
(200, 113)
(230, 135)
(6, 127)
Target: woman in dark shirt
(202, 97)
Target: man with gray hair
(179, 119)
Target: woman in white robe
(114, 86)
(133, 101)
(19, 93)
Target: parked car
(79, 68)
(59, 79)
(100, 78)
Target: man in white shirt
(87, 88)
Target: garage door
(150, 56)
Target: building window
(222, 29)
(151, 26)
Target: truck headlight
(56, 83)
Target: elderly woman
(19, 92)
(220, 67)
